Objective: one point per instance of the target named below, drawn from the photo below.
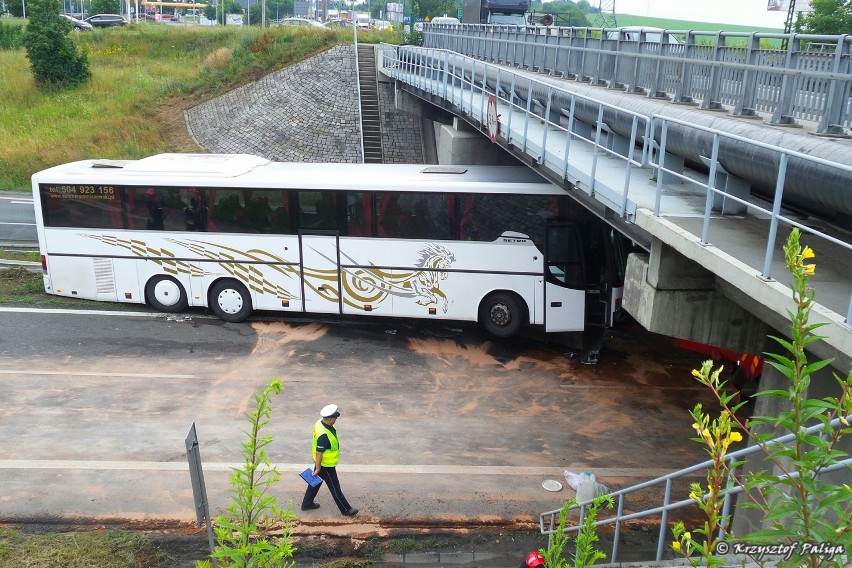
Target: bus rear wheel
(230, 300)
(166, 294)
(501, 314)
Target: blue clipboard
(310, 478)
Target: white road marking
(177, 318)
(18, 199)
(82, 312)
(95, 374)
(644, 473)
(19, 224)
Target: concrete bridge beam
(671, 295)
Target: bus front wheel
(500, 313)
(230, 300)
(166, 294)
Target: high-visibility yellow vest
(331, 456)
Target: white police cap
(330, 411)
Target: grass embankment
(143, 77)
(76, 550)
(628, 20)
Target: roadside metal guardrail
(810, 80)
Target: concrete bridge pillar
(459, 144)
(669, 294)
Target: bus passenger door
(564, 294)
(320, 271)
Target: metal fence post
(784, 110)
(711, 99)
(776, 210)
(199, 490)
(711, 186)
(745, 102)
(832, 118)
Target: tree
(53, 57)
(256, 531)
(830, 17)
(105, 7)
(279, 8)
(565, 13)
(433, 8)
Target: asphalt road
(17, 218)
(441, 427)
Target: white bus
(238, 233)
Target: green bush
(11, 36)
(53, 57)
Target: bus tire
(230, 300)
(166, 294)
(501, 314)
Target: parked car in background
(381, 25)
(339, 23)
(79, 25)
(106, 20)
(304, 22)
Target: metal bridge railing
(549, 521)
(747, 71)
(466, 84)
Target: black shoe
(351, 512)
(311, 506)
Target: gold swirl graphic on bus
(233, 262)
(360, 285)
(141, 249)
(424, 284)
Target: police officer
(326, 452)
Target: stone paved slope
(307, 112)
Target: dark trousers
(329, 475)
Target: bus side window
(431, 217)
(280, 220)
(317, 210)
(393, 219)
(227, 210)
(359, 217)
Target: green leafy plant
(717, 436)
(798, 506)
(11, 36)
(53, 57)
(585, 552)
(244, 535)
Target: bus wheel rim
(230, 301)
(167, 292)
(500, 314)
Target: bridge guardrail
(467, 85)
(809, 80)
(549, 520)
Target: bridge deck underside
(603, 175)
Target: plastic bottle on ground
(587, 489)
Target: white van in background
(362, 21)
(634, 33)
(445, 20)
